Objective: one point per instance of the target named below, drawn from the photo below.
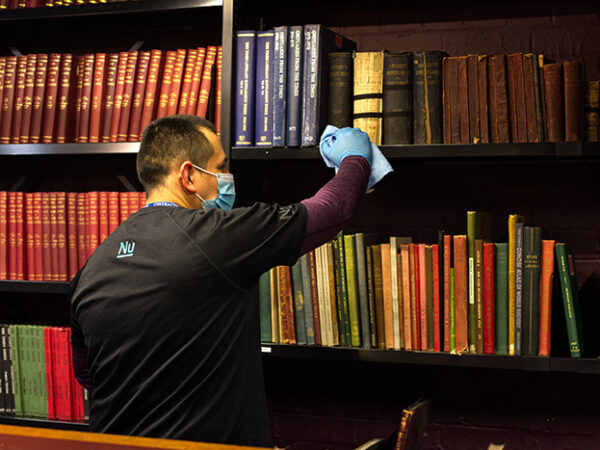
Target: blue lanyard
(161, 204)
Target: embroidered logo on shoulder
(285, 212)
(126, 249)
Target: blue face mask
(225, 197)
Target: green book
(518, 287)
(452, 313)
(352, 287)
(570, 295)
(342, 290)
(429, 297)
(308, 301)
(16, 365)
(297, 289)
(532, 257)
(26, 358)
(264, 296)
(371, 294)
(501, 303)
(363, 241)
(41, 372)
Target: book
(3, 235)
(334, 325)
(406, 296)
(19, 92)
(591, 108)
(422, 313)
(397, 98)
(205, 84)
(244, 88)
(478, 296)
(97, 97)
(482, 92)
(368, 94)
(452, 124)
(298, 293)
(532, 98)
(295, 72)
(573, 100)
(362, 242)
(460, 293)
(473, 98)
(51, 100)
(513, 219)
(279, 79)
(519, 234)
(498, 99)
(341, 289)
(386, 278)
(501, 297)
(165, 83)
(448, 311)
(28, 98)
(554, 102)
(352, 288)
(86, 79)
(570, 295)
(427, 97)
(126, 100)
(151, 88)
(196, 80)
(263, 117)
(176, 81)
(429, 288)
(376, 253)
(307, 292)
(532, 255)
(341, 79)
(137, 101)
(64, 101)
(546, 283)
(186, 84)
(489, 310)
(108, 95)
(315, 298)
(516, 97)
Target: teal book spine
(501, 288)
(570, 296)
(297, 289)
(264, 296)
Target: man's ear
(186, 174)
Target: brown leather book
(482, 91)
(555, 111)
(39, 91)
(137, 104)
(460, 294)
(196, 79)
(315, 297)
(18, 99)
(188, 75)
(516, 97)
(165, 86)
(493, 100)
(529, 87)
(61, 236)
(64, 98)
(205, 84)
(473, 88)
(10, 73)
(573, 100)
(28, 98)
(454, 120)
(2, 69)
(176, 81)
(126, 102)
(86, 92)
(463, 100)
(378, 288)
(50, 99)
(150, 93)
(218, 89)
(79, 64)
(501, 99)
(446, 101)
(118, 101)
(591, 109)
(388, 313)
(97, 95)
(108, 100)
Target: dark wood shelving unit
(34, 287)
(41, 423)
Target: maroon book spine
(81, 229)
(454, 120)
(51, 99)
(46, 238)
(2, 70)
(11, 262)
(102, 216)
(482, 65)
(113, 211)
(165, 87)
(92, 222)
(137, 104)
(493, 100)
(446, 268)
(555, 111)
(529, 88)
(61, 236)
(196, 80)
(18, 99)
(502, 99)
(463, 99)
(205, 85)
(37, 236)
(63, 97)
(3, 235)
(29, 238)
(118, 102)
(573, 100)
(73, 266)
(150, 92)
(473, 98)
(123, 207)
(28, 98)
(127, 97)
(108, 101)
(53, 237)
(488, 299)
(188, 75)
(79, 69)
(96, 99)
(176, 82)
(86, 92)
(516, 98)
(219, 94)
(20, 235)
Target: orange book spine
(92, 222)
(113, 211)
(3, 235)
(188, 75)
(141, 199)
(28, 98)
(50, 99)
(126, 102)
(150, 93)
(211, 54)
(219, 94)
(176, 82)
(165, 87)
(196, 80)
(61, 235)
(12, 237)
(102, 216)
(447, 266)
(118, 101)
(10, 73)
(108, 99)
(86, 92)
(460, 293)
(20, 235)
(133, 202)
(123, 207)
(81, 230)
(37, 236)
(138, 97)
(53, 237)
(18, 99)
(73, 266)
(547, 275)
(29, 238)
(386, 274)
(408, 344)
(97, 96)
(64, 98)
(2, 70)
(414, 319)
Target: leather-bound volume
(97, 96)
(340, 89)
(427, 97)
(123, 207)
(126, 101)
(218, 90)
(498, 99)
(378, 290)
(28, 99)
(188, 75)
(53, 237)
(532, 256)
(482, 92)
(368, 94)
(150, 92)
(538, 63)
(46, 239)
(137, 104)
(530, 99)
(50, 99)
(176, 81)
(473, 99)
(102, 216)
(196, 80)
(29, 245)
(37, 236)
(18, 99)
(447, 280)
(205, 84)
(86, 92)
(451, 83)
(92, 222)
(446, 102)
(516, 98)
(460, 293)
(2, 69)
(397, 98)
(108, 95)
(573, 100)
(62, 134)
(113, 211)
(555, 111)
(118, 101)
(463, 100)
(11, 245)
(78, 91)
(3, 235)
(81, 229)
(72, 267)
(591, 108)
(20, 235)
(165, 84)
(61, 235)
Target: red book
(447, 266)
(489, 329)
(463, 99)
(3, 235)
(109, 95)
(73, 266)
(188, 75)
(18, 99)
(516, 97)
(79, 66)
(123, 207)
(460, 293)
(37, 237)
(404, 288)
(28, 98)
(314, 297)
(288, 335)
(435, 252)
(422, 296)
(57, 366)
(205, 84)
(127, 97)
(49, 372)
(61, 234)
(150, 93)
(53, 237)
(119, 90)
(65, 373)
(133, 202)
(51, 100)
(102, 216)
(142, 200)
(573, 100)
(39, 93)
(2, 69)
(219, 96)
(12, 237)
(92, 221)
(138, 97)
(547, 275)
(63, 97)
(165, 87)
(113, 211)
(196, 80)
(29, 238)
(82, 248)
(46, 238)
(415, 292)
(97, 97)
(10, 73)
(176, 81)
(20, 235)
(86, 92)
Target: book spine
(415, 301)
(92, 226)
(82, 252)
(429, 297)
(108, 98)
(591, 108)
(295, 86)
(219, 90)
(397, 98)
(196, 80)
(532, 255)
(352, 287)
(502, 107)
(279, 102)
(79, 65)
(447, 309)
(454, 122)
(547, 275)
(28, 98)
(538, 62)
(188, 76)
(308, 301)
(471, 235)
(20, 236)
(396, 294)
(2, 70)
(45, 237)
(518, 287)
(368, 94)
(86, 92)
(73, 266)
(205, 84)
(386, 277)
(289, 299)
(340, 89)
(379, 297)
(176, 81)
(460, 293)
(516, 97)
(446, 101)
(266, 333)
(512, 222)
(362, 289)
(479, 347)
(137, 104)
(118, 99)
(463, 99)
(473, 99)
(8, 98)
(274, 280)
(63, 99)
(554, 100)
(566, 274)
(12, 237)
(15, 357)
(329, 268)
(489, 306)
(102, 216)
(29, 243)
(437, 340)
(371, 293)
(53, 237)
(244, 88)
(492, 94)
(51, 99)
(49, 373)
(18, 99)
(315, 299)
(312, 40)
(151, 87)
(345, 324)
(530, 105)
(427, 98)
(61, 235)
(573, 100)
(406, 304)
(97, 96)
(482, 91)
(263, 133)
(423, 288)
(127, 99)
(3, 235)
(297, 286)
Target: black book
(7, 374)
(532, 255)
(340, 89)
(427, 97)
(397, 98)
(3, 382)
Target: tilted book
(427, 97)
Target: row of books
(104, 97)
(18, 4)
(359, 292)
(591, 110)
(37, 374)
(48, 236)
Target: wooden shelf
(69, 149)
(42, 423)
(34, 287)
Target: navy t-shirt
(167, 308)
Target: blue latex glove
(347, 142)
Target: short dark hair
(169, 141)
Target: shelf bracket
(17, 184)
(136, 46)
(126, 183)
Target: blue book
(295, 56)
(279, 85)
(309, 320)
(244, 88)
(263, 135)
(264, 296)
(297, 288)
(319, 42)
